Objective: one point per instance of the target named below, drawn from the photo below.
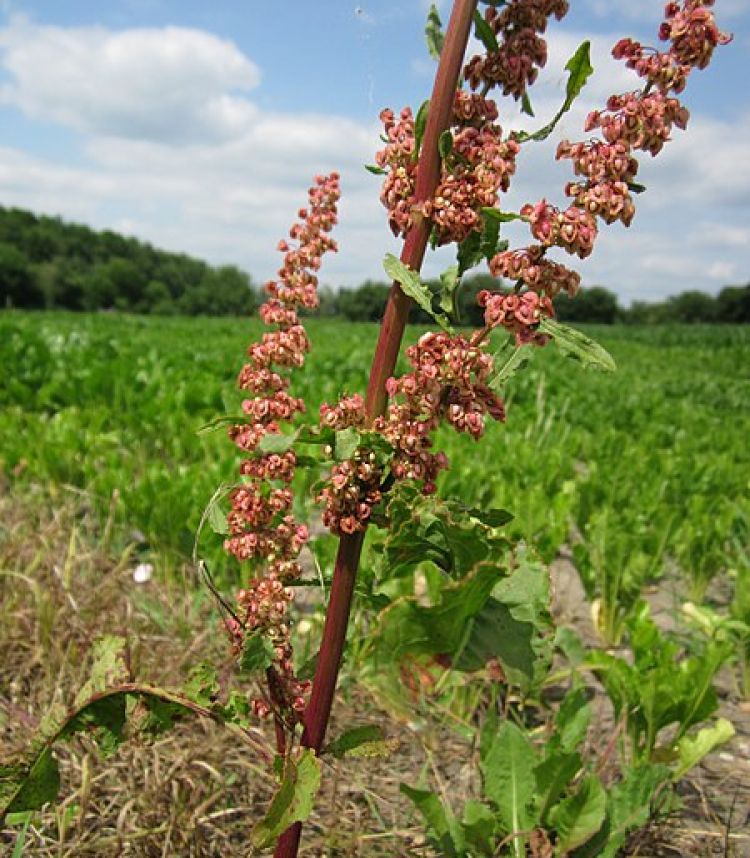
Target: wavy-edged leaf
(293, 800)
(578, 817)
(692, 749)
(573, 344)
(412, 285)
(368, 740)
(441, 822)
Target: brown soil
(194, 792)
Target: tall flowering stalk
(262, 529)
(443, 184)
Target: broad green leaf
(494, 214)
(577, 818)
(412, 285)
(347, 441)
(478, 824)
(293, 801)
(507, 772)
(104, 720)
(628, 808)
(276, 442)
(580, 68)
(491, 517)
(552, 776)
(469, 252)
(578, 346)
(257, 653)
(692, 749)
(366, 741)
(440, 821)
(485, 33)
(433, 32)
(39, 785)
(572, 719)
(420, 123)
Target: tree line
(48, 263)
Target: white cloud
(646, 10)
(172, 84)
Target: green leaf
(572, 719)
(293, 801)
(217, 520)
(420, 123)
(257, 653)
(691, 750)
(636, 188)
(580, 816)
(203, 684)
(366, 741)
(109, 666)
(492, 517)
(485, 33)
(375, 170)
(449, 283)
(445, 144)
(219, 422)
(507, 771)
(505, 366)
(628, 808)
(552, 776)
(40, 785)
(469, 252)
(577, 346)
(433, 32)
(440, 821)
(526, 104)
(412, 285)
(580, 69)
(490, 213)
(273, 442)
(478, 825)
(346, 443)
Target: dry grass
(195, 792)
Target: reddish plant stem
(383, 365)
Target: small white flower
(142, 573)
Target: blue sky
(197, 126)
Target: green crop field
(653, 459)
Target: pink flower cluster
(479, 166)
(521, 49)
(261, 528)
(529, 268)
(449, 380)
(519, 314)
(352, 490)
(641, 120)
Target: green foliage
(412, 285)
(45, 262)
(577, 346)
(433, 32)
(293, 800)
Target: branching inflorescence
(451, 374)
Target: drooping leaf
(578, 346)
(293, 801)
(420, 123)
(412, 285)
(109, 666)
(507, 772)
(34, 789)
(526, 106)
(691, 750)
(217, 520)
(485, 33)
(433, 32)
